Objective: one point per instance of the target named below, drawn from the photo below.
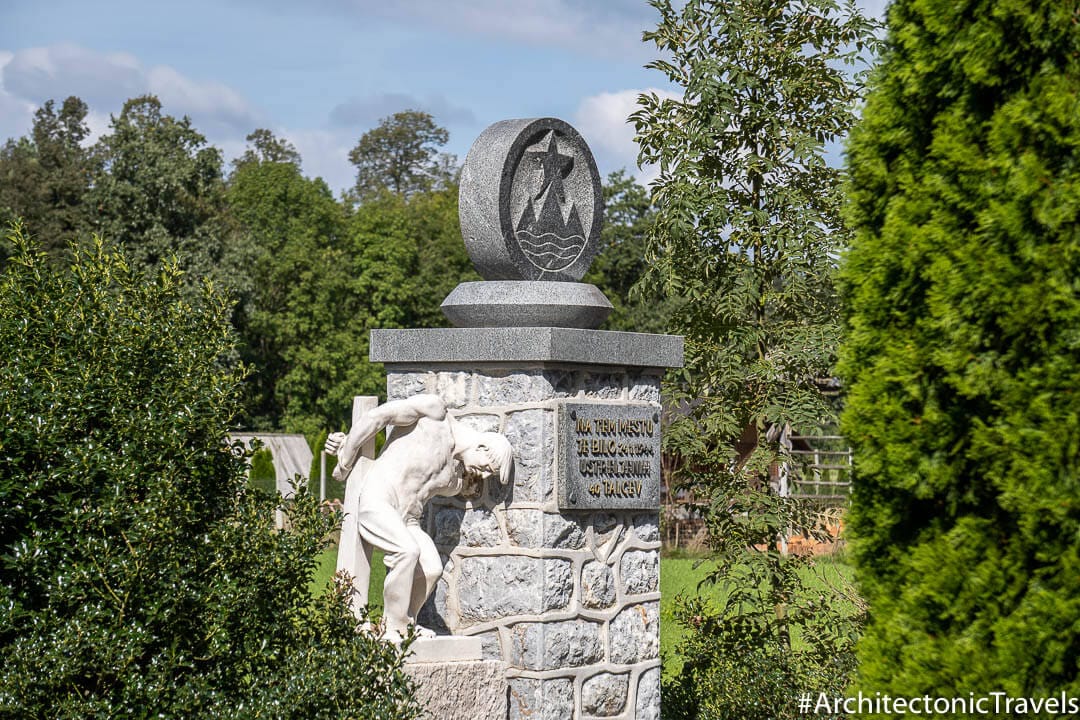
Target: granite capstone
(525, 345)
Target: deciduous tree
(293, 231)
(402, 257)
(402, 155)
(747, 232)
(158, 191)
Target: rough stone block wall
(568, 600)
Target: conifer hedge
(962, 357)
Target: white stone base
(453, 682)
(446, 648)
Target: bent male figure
(428, 453)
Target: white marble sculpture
(428, 453)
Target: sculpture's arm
(400, 413)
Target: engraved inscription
(610, 456)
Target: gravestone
(557, 574)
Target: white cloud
(325, 154)
(16, 114)
(361, 113)
(105, 80)
(603, 120)
(205, 100)
(55, 72)
(609, 28)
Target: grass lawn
(678, 576)
(327, 564)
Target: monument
(554, 575)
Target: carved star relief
(554, 165)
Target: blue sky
(322, 72)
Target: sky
(320, 73)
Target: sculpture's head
(491, 455)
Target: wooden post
(353, 557)
(322, 476)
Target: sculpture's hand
(334, 442)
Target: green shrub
(335, 489)
(138, 575)
(963, 357)
(772, 628)
(262, 474)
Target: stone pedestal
(453, 680)
(567, 600)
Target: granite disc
(531, 202)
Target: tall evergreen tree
(44, 178)
(962, 355)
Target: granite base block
(461, 690)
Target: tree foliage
(620, 262)
(747, 231)
(961, 358)
(775, 625)
(401, 257)
(157, 191)
(747, 226)
(293, 232)
(323, 276)
(310, 274)
(44, 178)
(401, 155)
(137, 574)
(265, 147)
